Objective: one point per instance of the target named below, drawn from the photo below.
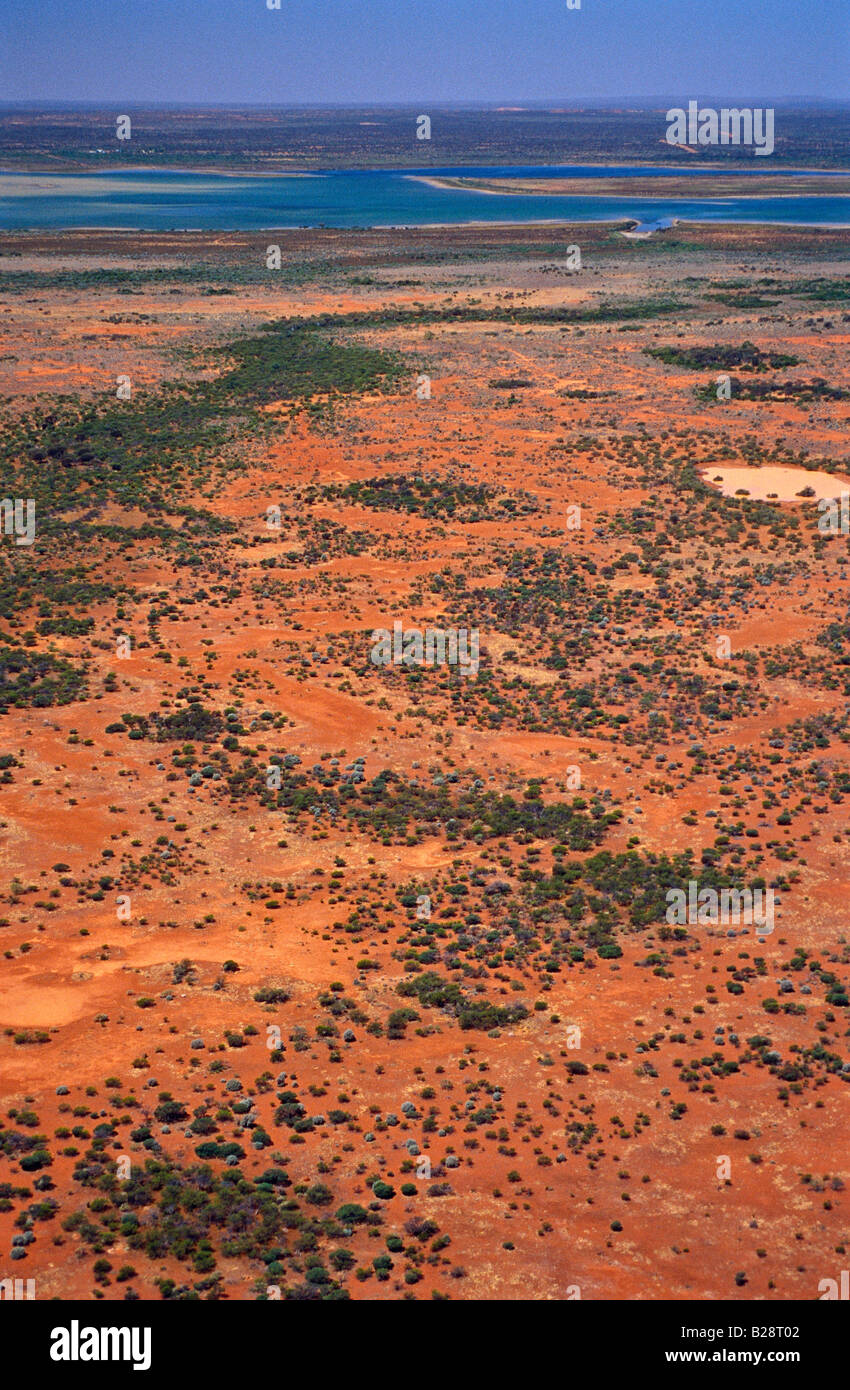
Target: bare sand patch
(776, 484)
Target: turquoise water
(161, 200)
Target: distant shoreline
(630, 185)
(80, 170)
(632, 224)
(50, 171)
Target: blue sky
(411, 51)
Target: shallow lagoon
(162, 200)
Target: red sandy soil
(78, 972)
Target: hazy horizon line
(499, 104)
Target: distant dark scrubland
(278, 139)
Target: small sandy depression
(781, 484)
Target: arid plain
(499, 1073)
